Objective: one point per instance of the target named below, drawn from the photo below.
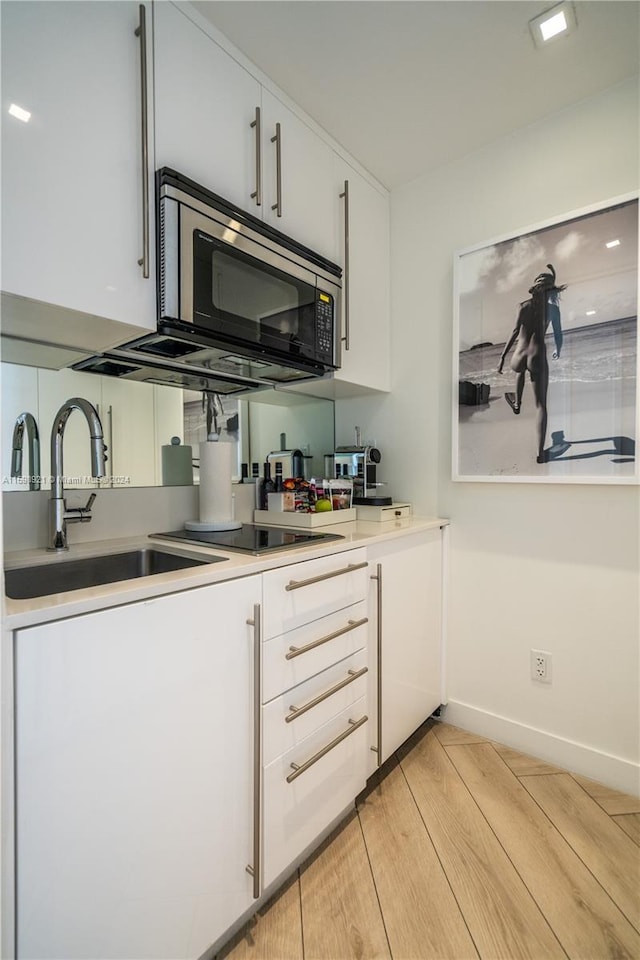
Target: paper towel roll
(216, 499)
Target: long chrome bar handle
(277, 139)
(141, 32)
(110, 435)
(257, 193)
(255, 869)
(378, 578)
(299, 769)
(350, 625)
(298, 711)
(345, 194)
(297, 584)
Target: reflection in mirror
(139, 421)
(284, 421)
(136, 418)
(212, 414)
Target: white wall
(546, 566)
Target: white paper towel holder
(217, 510)
(202, 525)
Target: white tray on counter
(271, 518)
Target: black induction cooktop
(250, 538)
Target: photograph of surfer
(530, 353)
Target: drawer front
(302, 592)
(316, 702)
(293, 657)
(296, 812)
(396, 513)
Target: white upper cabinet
(78, 185)
(364, 257)
(205, 104)
(216, 124)
(297, 178)
(74, 217)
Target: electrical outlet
(540, 664)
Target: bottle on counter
(265, 487)
(255, 473)
(278, 485)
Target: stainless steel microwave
(237, 296)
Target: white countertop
(24, 613)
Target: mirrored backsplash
(140, 419)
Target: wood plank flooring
(462, 848)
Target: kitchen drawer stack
(315, 740)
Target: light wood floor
(464, 848)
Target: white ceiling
(407, 85)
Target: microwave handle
(141, 32)
(257, 193)
(345, 194)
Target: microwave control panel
(324, 327)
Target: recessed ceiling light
(19, 113)
(591, 313)
(612, 243)
(556, 22)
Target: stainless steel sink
(42, 580)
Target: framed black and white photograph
(546, 351)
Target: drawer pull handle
(299, 769)
(351, 625)
(297, 584)
(298, 711)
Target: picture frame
(554, 307)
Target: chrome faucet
(26, 421)
(59, 515)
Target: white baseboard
(614, 772)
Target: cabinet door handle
(345, 194)
(298, 651)
(110, 435)
(298, 770)
(141, 32)
(298, 711)
(257, 193)
(378, 578)
(297, 584)
(254, 869)
(277, 139)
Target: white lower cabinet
(406, 658)
(295, 656)
(157, 771)
(315, 737)
(134, 790)
(308, 787)
(302, 592)
(293, 716)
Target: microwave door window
(249, 300)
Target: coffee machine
(360, 463)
